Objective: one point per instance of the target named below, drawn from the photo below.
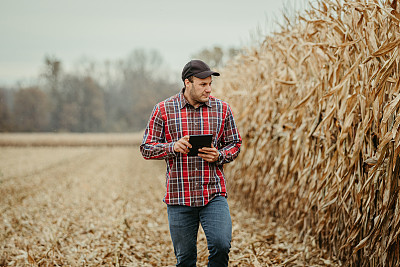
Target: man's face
(199, 91)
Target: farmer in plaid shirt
(195, 185)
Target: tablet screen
(199, 141)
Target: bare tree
(52, 75)
(216, 57)
(5, 112)
(31, 110)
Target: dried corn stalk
(318, 109)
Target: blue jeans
(216, 221)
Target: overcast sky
(110, 29)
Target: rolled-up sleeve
(231, 140)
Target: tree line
(95, 97)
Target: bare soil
(102, 206)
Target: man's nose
(208, 88)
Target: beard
(200, 98)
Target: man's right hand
(182, 145)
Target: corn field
(317, 105)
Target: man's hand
(209, 154)
(182, 145)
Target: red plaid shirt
(191, 181)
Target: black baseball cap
(197, 68)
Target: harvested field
(70, 139)
(102, 206)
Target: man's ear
(187, 82)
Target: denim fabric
(216, 221)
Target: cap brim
(205, 74)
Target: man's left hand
(209, 154)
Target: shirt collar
(183, 101)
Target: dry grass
(101, 206)
(318, 108)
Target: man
(196, 191)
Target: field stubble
(101, 205)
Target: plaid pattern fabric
(190, 180)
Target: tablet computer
(199, 141)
